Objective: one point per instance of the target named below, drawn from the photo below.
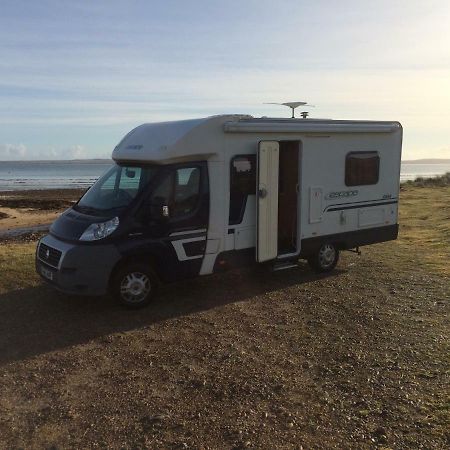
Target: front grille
(49, 255)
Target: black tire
(325, 259)
(134, 285)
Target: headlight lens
(97, 231)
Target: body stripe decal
(182, 233)
(182, 237)
(360, 202)
(181, 251)
(366, 205)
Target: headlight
(100, 230)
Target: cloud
(17, 152)
(73, 152)
(12, 152)
(76, 152)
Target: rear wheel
(325, 259)
(135, 285)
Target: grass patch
(424, 217)
(17, 266)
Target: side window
(362, 168)
(180, 191)
(187, 191)
(242, 184)
(164, 192)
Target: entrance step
(284, 265)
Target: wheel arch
(148, 259)
(313, 246)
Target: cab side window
(180, 191)
(186, 191)
(163, 193)
(242, 184)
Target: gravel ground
(245, 359)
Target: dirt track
(356, 359)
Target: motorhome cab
(195, 197)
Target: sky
(75, 76)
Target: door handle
(262, 192)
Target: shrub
(442, 180)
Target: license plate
(46, 273)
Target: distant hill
(426, 161)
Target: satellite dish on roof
(293, 105)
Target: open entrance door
(267, 204)
(288, 198)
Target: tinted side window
(187, 191)
(180, 191)
(242, 184)
(164, 192)
(362, 168)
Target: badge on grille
(47, 254)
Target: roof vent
(294, 105)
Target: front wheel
(135, 285)
(325, 259)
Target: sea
(32, 175)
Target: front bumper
(82, 269)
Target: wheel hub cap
(135, 287)
(326, 255)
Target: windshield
(116, 189)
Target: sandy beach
(21, 209)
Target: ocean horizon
(82, 173)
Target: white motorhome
(195, 197)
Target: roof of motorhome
(276, 125)
(176, 141)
